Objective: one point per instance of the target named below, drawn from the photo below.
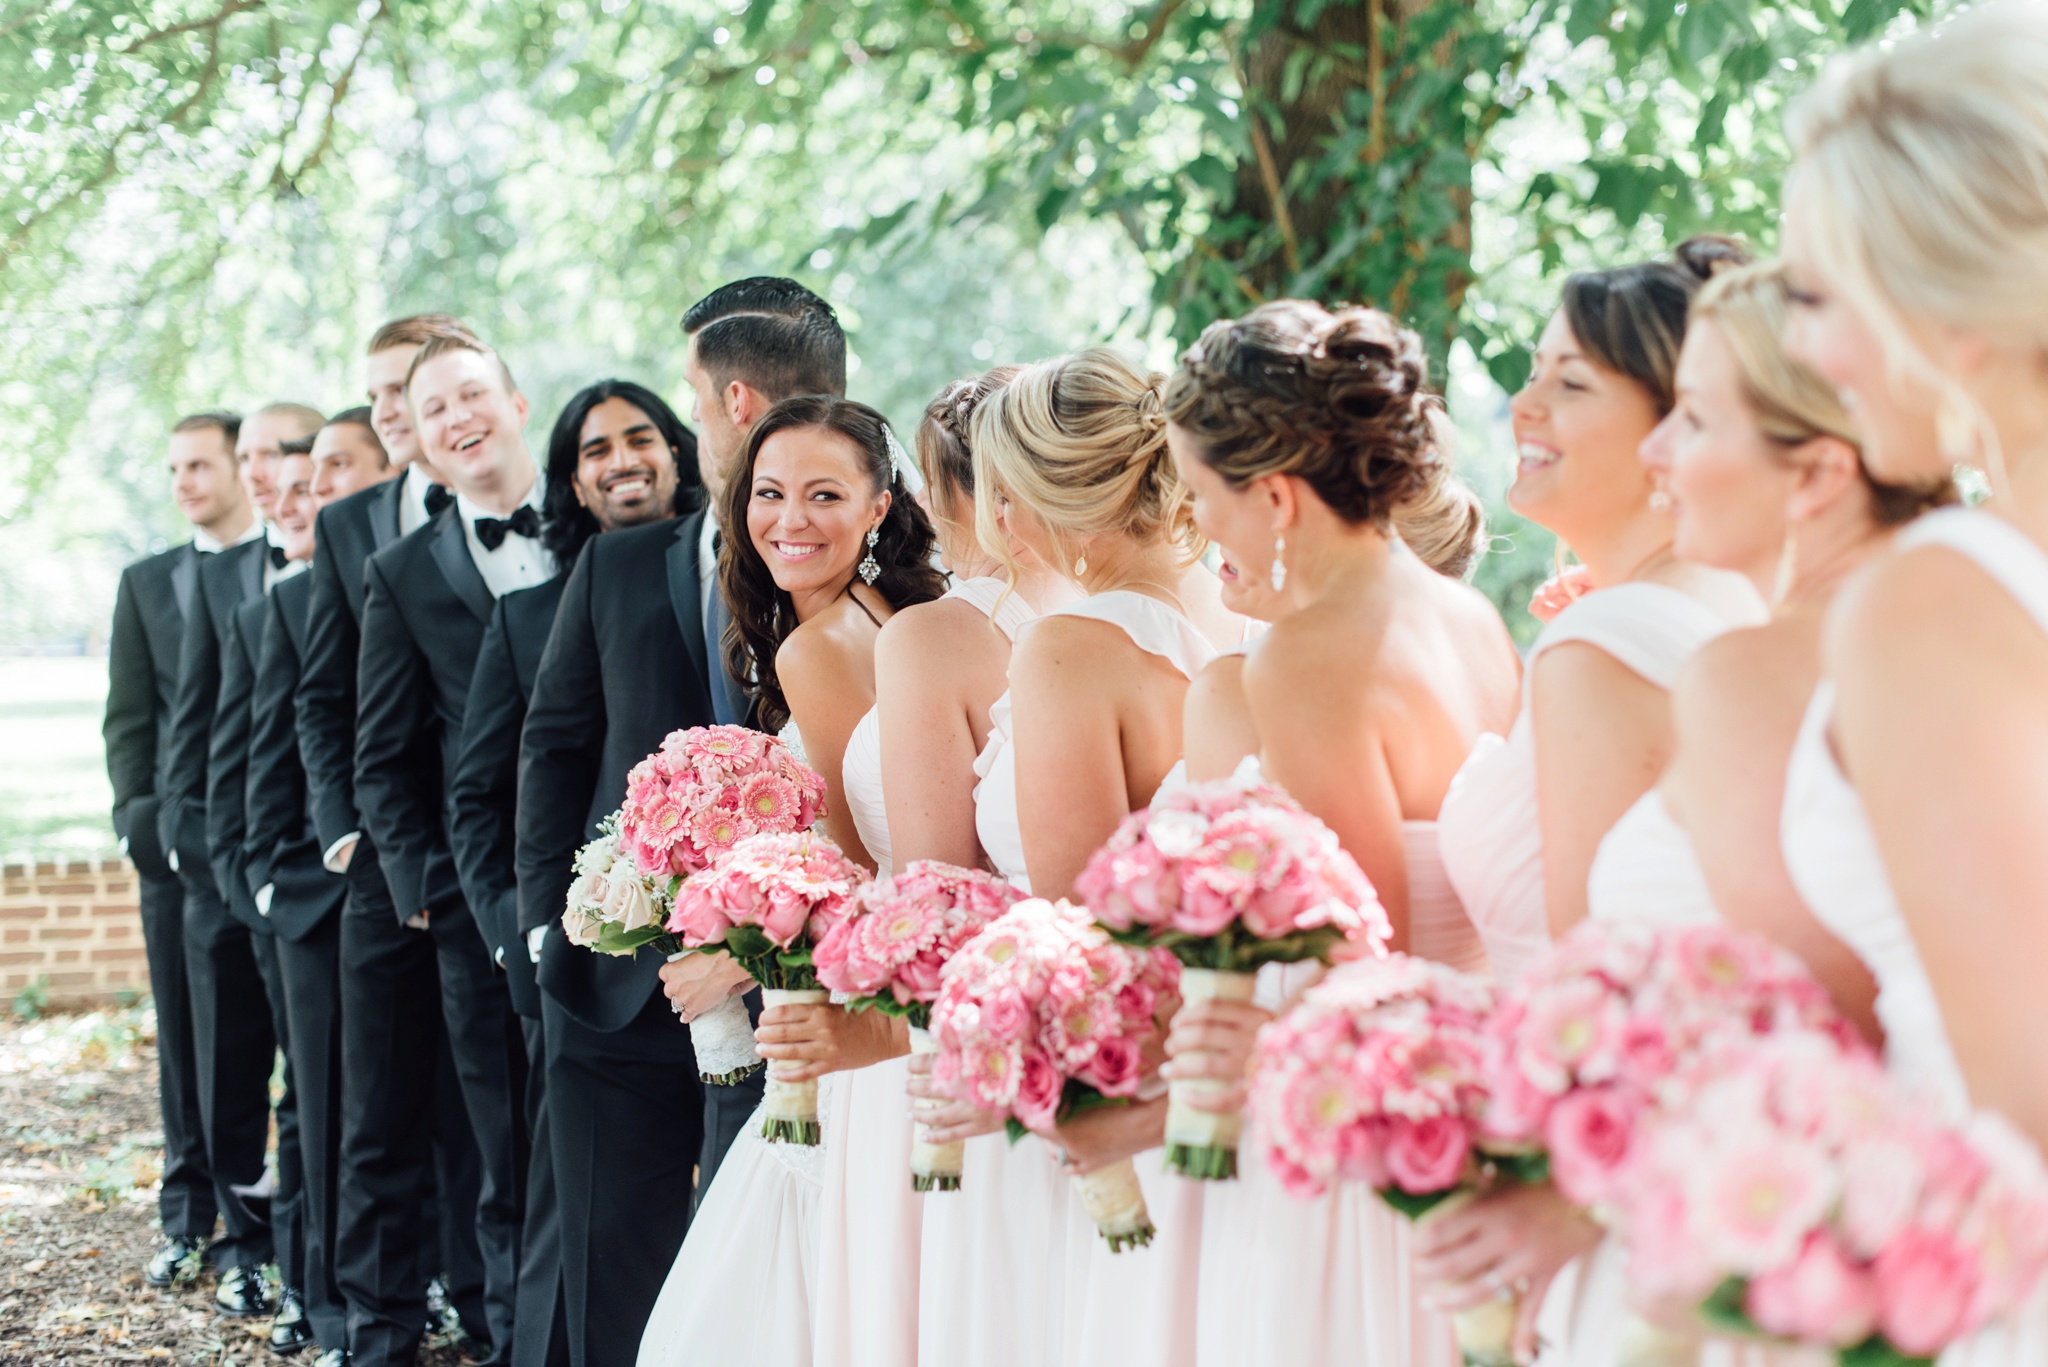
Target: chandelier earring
(1277, 575)
(869, 569)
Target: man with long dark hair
(626, 664)
(618, 457)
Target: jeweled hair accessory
(901, 466)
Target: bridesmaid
(1302, 434)
(1768, 479)
(833, 545)
(1070, 460)
(1525, 815)
(908, 783)
(1916, 215)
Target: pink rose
(918, 980)
(1925, 1283)
(829, 960)
(1116, 1068)
(783, 916)
(1038, 1090)
(1427, 1155)
(697, 919)
(1820, 1297)
(1589, 1134)
(1362, 1151)
(1006, 1014)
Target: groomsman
(142, 686)
(618, 457)
(301, 899)
(626, 664)
(382, 1264)
(233, 1034)
(427, 599)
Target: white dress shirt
(707, 567)
(412, 500)
(519, 562)
(206, 545)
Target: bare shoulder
(1082, 652)
(940, 628)
(837, 639)
(1740, 678)
(1219, 684)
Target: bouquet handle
(1485, 1332)
(933, 1167)
(1116, 1203)
(723, 1039)
(1203, 1144)
(790, 1109)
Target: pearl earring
(1660, 500)
(868, 569)
(1278, 574)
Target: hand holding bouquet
(1227, 876)
(889, 953)
(1800, 1194)
(767, 903)
(1041, 1016)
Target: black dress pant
(286, 1203)
(400, 989)
(458, 1180)
(625, 1119)
(311, 970)
(235, 1045)
(185, 1203)
(540, 1336)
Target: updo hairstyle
(762, 614)
(1080, 440)
(1792, 403)
(1631, 320)
(943, 444)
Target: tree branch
(227, 12)
(1269, 169)
(337, 91)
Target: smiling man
(427, 599)
(619, 457)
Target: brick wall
(75, 925)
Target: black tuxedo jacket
(279, 847)
(626, 664)
(425, 607)
(142, 688)
(346, 533)
(226, 580)
(483, 787)
(227, 761)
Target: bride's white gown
(1833, 857)
(742, 1286)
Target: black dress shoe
(289, 1332)
(242, 1294)
(177, 1257)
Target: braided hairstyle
(762, 614)
(944, 447)
(1632, 319)
(1080, 440)
(1336, 399)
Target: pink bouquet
(767, 903)
(1606, 1025)
(1228, 876)
(1378, 1076)
(888, 955)
(708, 788)
(1799, 1194)
(1041, 1016)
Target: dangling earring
(868, 569)
(1080, 567)
(1788, 567)
(1278, 574)
(1660, 499)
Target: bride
(834, 545)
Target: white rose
(628, 904)
(581, 927)
(587, 892)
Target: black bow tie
(278, 559)
(523, 522)
(438, 498)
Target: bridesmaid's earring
(1081, 567)
(1660, 500)
(1278, 574)
(1788, 567)
(868, 569)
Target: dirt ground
(80, 1150)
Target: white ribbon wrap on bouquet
(1116, 1203)
(933, 1167)
(790, 1109)
(1203, 1144)
(724, 1040)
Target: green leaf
(1723, 1308)
(1416, 1206)
(1588, 19)
(1876, 1352)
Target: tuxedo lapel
(686, 591)
(184, 579)
(451, 553)
(252, 571)
(384, 511)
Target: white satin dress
(1492, 843)
(1015, 1274)
(1833, 857)
(743, 1286)
(871, 1221)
